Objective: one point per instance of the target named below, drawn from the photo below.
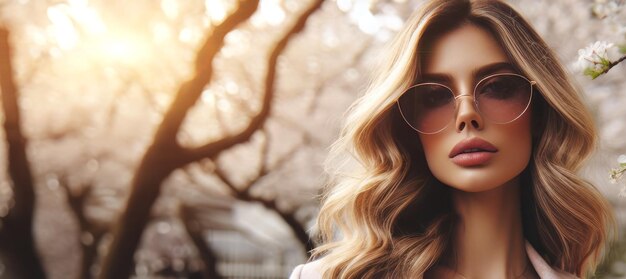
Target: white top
(312, 270)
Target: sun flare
(122, 50)
(73, 31)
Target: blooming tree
(600, 57)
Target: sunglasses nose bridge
(467, 114)
(458, 97)
(457, 100)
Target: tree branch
(191, 90)
(213, 149)
(243, 193)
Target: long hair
(390, 217)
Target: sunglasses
(500, 98)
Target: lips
(470, 152)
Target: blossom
(594, 59)
(621, 159)
(615, 174)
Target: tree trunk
(146, 185)
(17, 246)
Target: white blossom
(594, 56)
(621, 159)
(616, 174)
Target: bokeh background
(185, 139)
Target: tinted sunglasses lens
(428, 107)
(503, 98)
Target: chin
(472, 188)
(475, 181)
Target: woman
(468, 143)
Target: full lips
(472, 151)
(472, 158)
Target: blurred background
(195, 131)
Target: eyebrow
(476, 73)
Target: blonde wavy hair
(391, 217)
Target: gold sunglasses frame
(473, 96)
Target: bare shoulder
(310, 270)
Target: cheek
(517, 144)
(436, 149)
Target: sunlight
(76, 26)
(216, 10)
(272, 12)
(124, 50)
(113, 48)
(170, 8)
(62, 28)
(161, 32)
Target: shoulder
(311, 270)
(542, 268)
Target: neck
(489, 240)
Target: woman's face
(459, 59)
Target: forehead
(463, 50)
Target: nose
(467, 114)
